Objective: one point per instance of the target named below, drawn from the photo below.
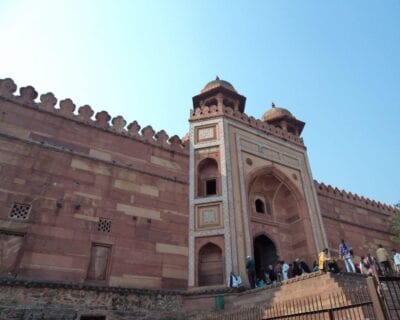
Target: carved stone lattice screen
(20, 211)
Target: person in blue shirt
(345, 252)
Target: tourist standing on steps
(271, 273)
(346, 255)
(323, 260)
(235, 281)
(285, 270)
(278, 271)
(383, 259)
(251, 271)
(396, 260)
(373, 267)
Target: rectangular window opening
(211, 187)
(93, 318)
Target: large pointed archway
(277, 208)
(264, 254)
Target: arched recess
(265, 254)
(211, 265)
(208, 178)
(278, 191)
(289, 221)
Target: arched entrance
(275, 203)
(211, 265)
(264, 254)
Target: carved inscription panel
(206, 133)
(208, 216)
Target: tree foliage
(395, 223)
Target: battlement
(67, 109)
(328, 190)
(205, 112)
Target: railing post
(376, 304)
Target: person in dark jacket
(296, 268)
(271, 273)
(251, 271)
(304, 266)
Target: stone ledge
(12, 282)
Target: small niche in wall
(92, 318)
(10, 251)
(99, 260)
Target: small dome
(218, 83)
(275, 112)
(186, 137)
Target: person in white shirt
(235, 281)
(285, 270)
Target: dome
(218, 83)
(276, 112)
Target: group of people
(278, 272)
(383, 264)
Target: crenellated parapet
(355, 199)
(27, 97)
(205, 112)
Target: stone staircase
(252, 301)
(300, 287)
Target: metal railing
(352, 304)
(244, 313)
(389, 288)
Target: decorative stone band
(209, 112)
(48, 101)
(12, 282)
(328, 190)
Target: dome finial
(218, 83)
(273, 105)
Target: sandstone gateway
(88, 201)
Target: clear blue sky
(333, 64)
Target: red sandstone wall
(361, 222)
(138, 182)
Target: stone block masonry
(107, 205)
(363, 223)
(89, 200)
